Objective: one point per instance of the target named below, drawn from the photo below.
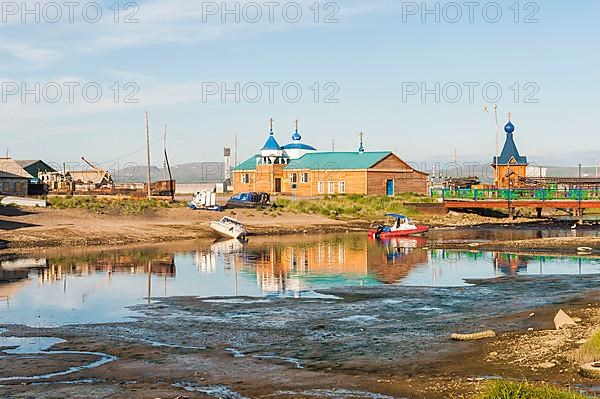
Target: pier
(573, 201)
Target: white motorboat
(229, 227)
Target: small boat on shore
(229, 227)
(248, 200)
(400, 227)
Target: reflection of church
(303, 264)
(511, 264)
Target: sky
(413, 76)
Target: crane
(92, 165)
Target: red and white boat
(400, 227)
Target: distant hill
(198, 172)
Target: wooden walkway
(535, 204)
(573, 201)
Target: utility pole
(597, 165)
(496, 173)
(165, 152)
(580, 171)
(149, 182)
(497, 132)
(235, 150)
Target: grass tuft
(110, 205)
(590, 351)
(524, 390)
(352, 206)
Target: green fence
(519, 194)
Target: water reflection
(98, 286)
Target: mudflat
(192, 347)
(48, 227)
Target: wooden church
(300, 169)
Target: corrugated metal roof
(90, 176)
(9, 165)
(5, 175)
(338, 160)
(326, 161)
(249, 164)
(28, 163)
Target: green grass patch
(352, 206)
(111, 205)
(524, 390)
(590, 351)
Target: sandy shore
(40, 228)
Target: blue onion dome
(509, 128)
(296, 136)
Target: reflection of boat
(13, 275)
(229, 227)
(401, 227)
(404, 242)
(227, 246)
(24, 263)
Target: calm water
(96, 287)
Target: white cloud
(28, 53)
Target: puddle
(236, 301)
(40, 346)
(235, 352)
(216, 391)
(27, 345)
(334, 394)
(296, 362)
(361, 319)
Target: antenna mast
(148, 156)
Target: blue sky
(372, 55)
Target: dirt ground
(146, 367)
(22, 228)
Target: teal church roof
(338, 160)
(327, 160)
(249, 164)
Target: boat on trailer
(400, 226)
(229, 227)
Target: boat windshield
(230, 221)
(240, 197)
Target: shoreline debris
(562, 319)
(474, 336)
